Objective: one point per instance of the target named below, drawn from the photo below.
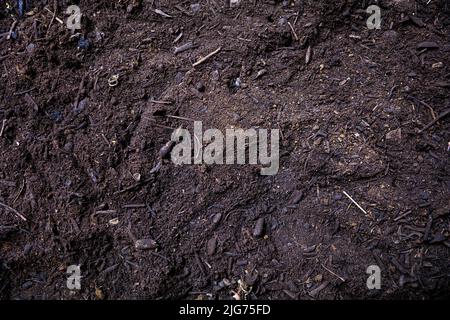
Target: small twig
(56, 18)
(51, 21)
(296, 17)
(13, 210)
(180, 118)
(163, 126)
(243, 39)
(157, 124)
(178, 37)
(440, 117)
(423, 103)
(11, 30)
(293, 31)
(159, 255)
(23, 92)
(3, 127)
(106, 140)
(134, 206)
(134, 186)
(334, 274)
(207, 57)
(180, 8)
(106, 212)
(433, 114)
(160, 101)
(356, 203)
(391, 92)
(29, 99)
(80, 90)
(403, 215)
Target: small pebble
(56, 116)
(31, 48)
(282, 21)
(83, 43)
(216, 218)
(81, 106)
(236, 83)
(297, 196)
(215, 75)
(179, 77)
(195, 7)
(68, 147)
(236, 117)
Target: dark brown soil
(73, 148)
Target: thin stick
(3, 127)
(293, 31)
(296, 17)
(403, 215)
(160, 101)
(23, 92)
(53, 18)
(157, 124)
(11, 30)
(56, 18)
(356, 203)
(80, 90)
(105, 212)
(134, 206)
(178, 37)
(13, 210)
(29, 99)
(334, 274)
(414, 99)
(440, 117)
(180, 118)
(207, 57)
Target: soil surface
(84, 115)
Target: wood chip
(187, 46)
(259, 228)
(211, 246)
(308, 55)
(216, 218)
(428, 45)
(296, 197)
(145, 244)
(163, 14)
